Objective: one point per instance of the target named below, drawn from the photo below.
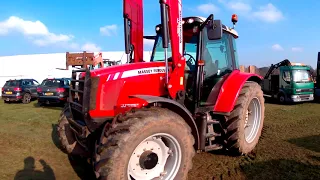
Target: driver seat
(210, 66)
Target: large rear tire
(245, 123)
(66, 136)
(134, 148)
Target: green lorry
(293, 83)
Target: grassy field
(289, 148)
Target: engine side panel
(116, 86)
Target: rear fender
(177, 108)
(230, 90)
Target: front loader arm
(133, 29)
(174, 20)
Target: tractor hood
(126, 70)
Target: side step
(212, 134)
(213, 147)
(210, 122)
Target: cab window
(217, 55)
(286, 75)
(235, 52)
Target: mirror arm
(210, 18)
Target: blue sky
(269, 31)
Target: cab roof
(201, 20)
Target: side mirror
(214, 30)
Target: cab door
(219, 63)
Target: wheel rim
(281, 99)
(27, 98)
(157, 156)
(253, 117)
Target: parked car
(24, 90)
(53, 91)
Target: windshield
(51, 82)
(190, 48)
(301, 76)
(158, 52)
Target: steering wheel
(190, 59)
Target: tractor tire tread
(233, 124)
(128, 125)
(68, 143)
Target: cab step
(210, 122)
(212, 134)
(213, 147)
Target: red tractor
(146, 120)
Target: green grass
(289, 148)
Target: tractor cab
(219, 55)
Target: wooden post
(67, 64)
(242, 68)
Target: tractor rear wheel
(67, 139)
(245, 123)
(146, 144)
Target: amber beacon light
(234, 19)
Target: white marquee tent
(41, 66)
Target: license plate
(48, 94)
(8, 92)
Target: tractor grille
(80, 96)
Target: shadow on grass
(310, 142)
(280, 169)
(275, 101)
(49, 106)
(29, 172)
(81, 166)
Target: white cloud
(109, 30)
(277, 47)
(35, 31)
(268, 13)
(91, 47)
(240, 6)
(208, 8)
(39, 34)
(296, 49)
(237, 6)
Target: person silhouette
(29, 172)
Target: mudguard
(231, 88)
(177, 108)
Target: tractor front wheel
(151, 143)
(245, 123)
(66, 136)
